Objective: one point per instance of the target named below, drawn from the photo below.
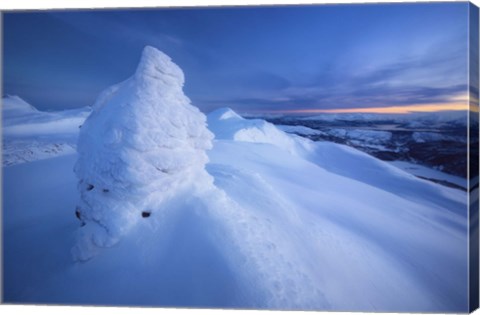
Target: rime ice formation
(142, 143)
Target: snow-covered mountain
(272, 220)
(30, 134)
(412, 138)
(416, 119)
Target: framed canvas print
(288, 157)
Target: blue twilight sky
(249, 58)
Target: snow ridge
(30, 134)
(228, 125)
(14, 104)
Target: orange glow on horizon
(407, 109)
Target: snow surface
(13, 105)
(428, 173)
(142, 143)
(336, 229)
(300, 130)
(30, 134)
(270, 221)
(226, 124)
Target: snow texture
(30, 134)
(429, 173)
(142, 143)
(300, 130)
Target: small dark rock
(90, 187)
(78, 214)
(146, 214)
(105, 190)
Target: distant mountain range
(436, 140)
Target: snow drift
(142, 142)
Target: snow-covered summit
(14, 105)
(228, 125)
(143, 142)
(18, 114)
(30, 134)
(223, 114)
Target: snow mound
(142, 144)
(228, 125)
(224, 114)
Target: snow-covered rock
(142, 143)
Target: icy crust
(142, 143)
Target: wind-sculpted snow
(142, 142)
(351, 163)
(367, 208)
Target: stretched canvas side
(473, 156)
